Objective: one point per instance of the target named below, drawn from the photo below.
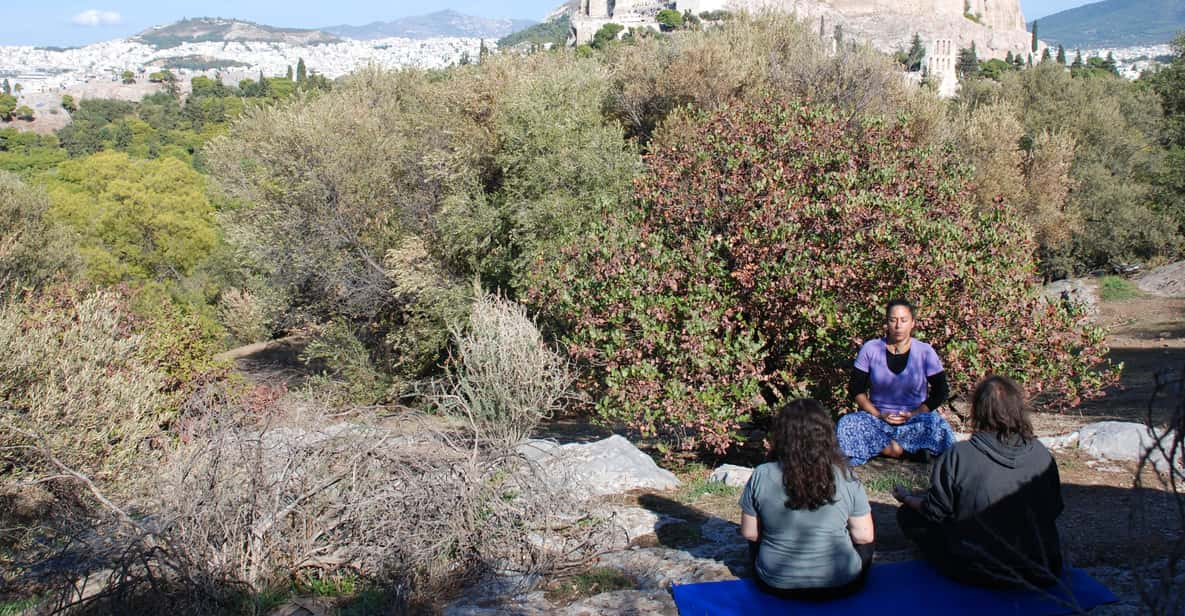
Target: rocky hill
(1115, 23)
(214, 29)
(440, 23)
(995, 26)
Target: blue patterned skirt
(862, 436)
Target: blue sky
(70, 23)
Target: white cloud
(97, 18)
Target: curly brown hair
(804, 442)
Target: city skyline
(72, 24)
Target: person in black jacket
(989, 517)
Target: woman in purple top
(897, 381)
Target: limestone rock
(634, 522)
(1075, 290)
(609, 466)
(1063, 441)
(1123, 440)
(626, 603)
(1166, 280)
(658, 568)
(731, 475)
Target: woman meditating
(989, 517)
(898, 382)
(806, 517)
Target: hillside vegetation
(1115, 23)
(553, 32)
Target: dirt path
(1147, 335)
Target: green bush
(606, 35)
(136, 220)
(1110, 141)
(32, 249)
(556, 163)
(669, 19)
(760, 250)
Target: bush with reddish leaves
(758, 253)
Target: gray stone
(1124, 440)
(609, 466)
(1074, 290)
(1064, 441)
(1165, 281)
(658, 568)
(731, 475)
(634, 522)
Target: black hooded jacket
(995, 504)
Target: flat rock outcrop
(609, 466)
(1165, 281)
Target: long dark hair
(804, 442)
(998, 405)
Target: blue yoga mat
(913, 588)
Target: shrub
(136, 220)
(606, 35)
(1030, 172)
(265, 489)
(553, 162)
(1109, 211)
(759, 252)
(669, 19)
(32, 249)
(504, 379)
(345, 363)
(75, 375)
(746, 58)
(244, 315)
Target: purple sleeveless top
(894, 393)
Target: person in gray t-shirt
(811, 528)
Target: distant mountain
(215, 29)
(440, 23)
(1115, 23)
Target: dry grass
(268, 486)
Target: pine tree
(1034, 44)
(301, 71)
(838, 35)
(1077, 60)
(1046, 56)
(482, 51)
(5, 88)
(1009, 59)
(968, 63)
(1110, 64)
(1029, 61)
(264, 87)
(913, 60)
(289, 73)
(822, 28)
(1061, 55)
